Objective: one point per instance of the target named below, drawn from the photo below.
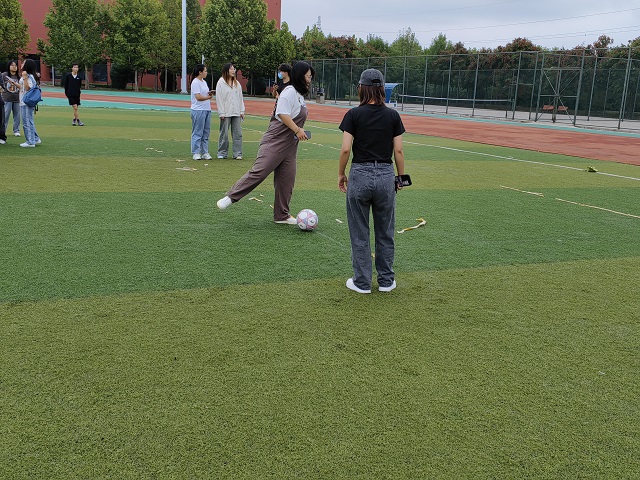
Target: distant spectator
(284, 73)
(27, 82)
(201, 97)
(11, 96)
(231, 111)
(72, 84)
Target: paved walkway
(551, 138)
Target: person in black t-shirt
(72, 84)
(284, 74)
(374, 133)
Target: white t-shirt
(201, 87)
(32, 83)
(290, 102)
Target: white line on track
(517, 159)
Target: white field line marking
(524, 191)
(518, 159)
(598, 208)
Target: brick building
(36, 10)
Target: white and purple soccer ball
(307, 220)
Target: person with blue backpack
(27, 113)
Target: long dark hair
(29, 66)
(298, 81)
(367, 93)
(227, 76)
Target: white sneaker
(220, 156)
(224, 202)
(16, 134)
(206, 156)
(2, 142)
(352, 286)
(38, 142)
(387, 289)
(239, 157)
(25, 145)
(197, 156)
(288, 221)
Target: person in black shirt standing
(374, 132)
(284, 77)
(72, 83)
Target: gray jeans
(236, 133)
(371, 188)
(15, 108)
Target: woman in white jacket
(231, 111)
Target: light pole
(183, 78)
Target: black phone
(403, 180)
(307, 133)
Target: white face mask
(280, 75)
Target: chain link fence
(595, 90)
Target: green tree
(405, 44)
(134, 39)
(307, 46)
(439, 45)
(278, 47)
(14, 31)
(75, 34)
(234, 31)
(373, 47)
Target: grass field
(145, 334)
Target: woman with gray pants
(231, 111)
(374, 132)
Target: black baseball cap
(371, 76)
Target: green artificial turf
(146, 334)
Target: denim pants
(30, 134)
(371, 188)
(15, 108)
(200, 129)
(236, 133)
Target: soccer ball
(307, 220)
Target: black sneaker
(80, 124)
(74, 122)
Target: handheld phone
(307, 133)
(402, 181)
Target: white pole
(183, 78)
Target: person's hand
(301, 134)
(221, 117)
(24, 74)
(242, 116)
(342, 183)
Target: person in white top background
(27, 82)
(230, 106)
(279, 148)
(201, 96)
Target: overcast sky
(476, 23)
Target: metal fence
(590, 90)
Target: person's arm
(202, 97)
(345, 151)
(288, 121)
(398, 154)
(25, 81)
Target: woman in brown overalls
(279, 147)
